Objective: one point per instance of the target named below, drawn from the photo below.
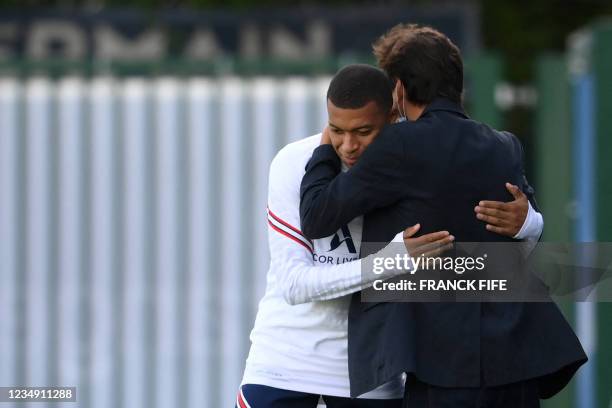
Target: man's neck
(413, 112)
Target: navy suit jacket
(434, 171)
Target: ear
(399, 90)
(398, 86)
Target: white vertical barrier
(135, 140)
(296, 120)
(9, 245)
(200, 305)
(233, 245)
(71, 100)
(133, 327)
(265, 147)
(38, 138)
(167, 154)
(103, 165)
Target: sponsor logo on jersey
(343, 236)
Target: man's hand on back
(504, 218)
(428, 245)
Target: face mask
(402, 111)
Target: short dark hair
(355, 85)
(426, 62)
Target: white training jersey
(299, 341)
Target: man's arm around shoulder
(330, 198)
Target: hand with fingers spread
(504, 218)
(428, 245)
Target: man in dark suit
(433, 169)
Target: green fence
(563, 121)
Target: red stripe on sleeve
(275, 228)
(286, 224)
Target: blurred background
(135, 140)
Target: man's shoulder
(404, 131)
(508, 140)
(392, 135)
(484, 133)
(509, 137)
(295, 152)
(429, 136)
(288, 165)
(286, 172)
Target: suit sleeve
(291, 253)
(330, 198)
(524, 184)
